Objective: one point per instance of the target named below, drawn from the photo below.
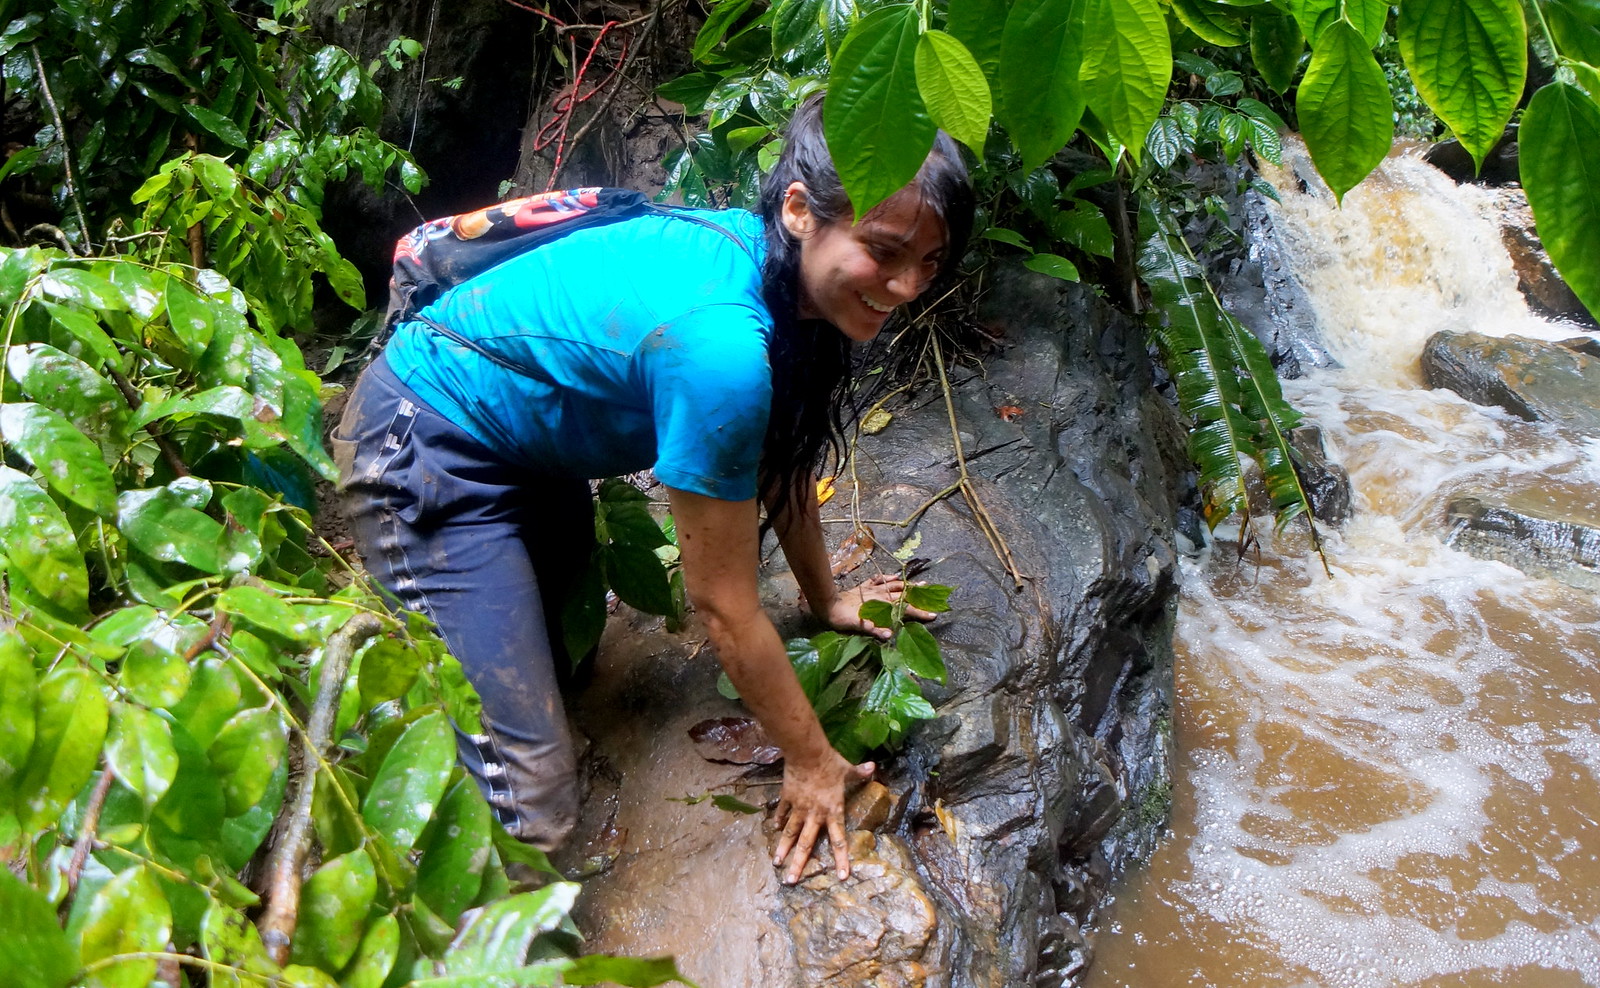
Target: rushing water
(1391, 777)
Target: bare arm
(720, 551)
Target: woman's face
(854, 275)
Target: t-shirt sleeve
(710, 388)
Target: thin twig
(282, 913)
(91, 823)
(985, 522)
(169, 452)
(66, 149)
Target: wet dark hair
(810, 358)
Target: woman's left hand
(844, 612)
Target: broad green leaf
(139, 751)
(1085, 227)
(193, 805)
(879, 612)
(1314, 16)
(1469, 59)
(1040, 100)
(266, 611)
(980, 26)
(247, 751)
(37, 952)
(83, 287)
(62, 382)
(1559, 134)
(228, 937)
(1275, 47)
(86, 332)
(388, 668)
(18, 692)
(213, 696)
(691, 90)
(154, 674)
(164, 524)
(1127, 64)
(18, 267)
(637, 972)
(190, 316)
(877, 127)
(638, 577)
(70, 718)
(722, 17)
(375, 958)
(498, 937)
(411, 781)
(67, 460)
(215, 123)
(1165, 141)
(920, 651)
(1576, 26)
(451, 872)
(1346, 115)
(1214, 22)
(1005, 236)
(333, 911)
(796, 27)
(1053, 265)
(1368, 17)
(127, 915)
(954, 89)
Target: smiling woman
(711, 347)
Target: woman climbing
(710, 346)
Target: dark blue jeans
(453, 531)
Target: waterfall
(1391, 777)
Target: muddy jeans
(460, 535)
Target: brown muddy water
(1389, 778)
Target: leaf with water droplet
(247, 750)
(411, 781)
(71, 717)
(37, 953)
(333, 911)
(128, 915)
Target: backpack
(443, 253)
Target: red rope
(565, 105)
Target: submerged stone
(1529, 536)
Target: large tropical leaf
(1041, 54)
(1469, 59)
(1275, 46)
(1560, 133)
(1346, 113)
(1127, 64)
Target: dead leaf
(825, 490)
(876, 421)
(1008, 412)
(852, 552)
(735, 740)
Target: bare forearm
(753, 656)
(800, 533)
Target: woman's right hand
(810, 804)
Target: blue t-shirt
(649, 337)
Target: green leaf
(1053, 265)
(1346, 115)
(193, 806)
(62, 455)
(18, 693)
(411, 781)
(375, 958)
(1576, 26)
(333, 911)
(139, 751)
(954, 89)
(980, 26)
(85, 330)
(452, 868)
(215, 123)
(1005, 236)
(1315, 16)
(498, 937)
(796, 28)
(1127, 64)
(388, 669)
(36, 950)
(127, 915)
(213, 696)
(877, 127)
(1214, 22)
(66, 384)
(265, 611)
(1560, 131)
(83, 287)
(227, 937)
(190, 315)
(247, 750)
(721, 18)
(1085, 227)
(39, 543)
(1040, 99)
(1469, 59)
(637, 972)
(920, 651)
(70, 717)
(1369, 17)
(163, 523)
(638, 577)
(1165, 141)
(879, 612)
(154, 673)
(691, 90)
(1275, 47)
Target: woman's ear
(797, 216)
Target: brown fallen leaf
(852, 552)
(1008, 412)
(734, 740)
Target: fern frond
(1225, 380)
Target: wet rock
(990, 844)
(1537, 278)
(1500, 165)
(1326, 483)
(1529, 536)
(1535, 380)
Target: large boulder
(1532, 379)
(990, 848)
(1525, 530)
